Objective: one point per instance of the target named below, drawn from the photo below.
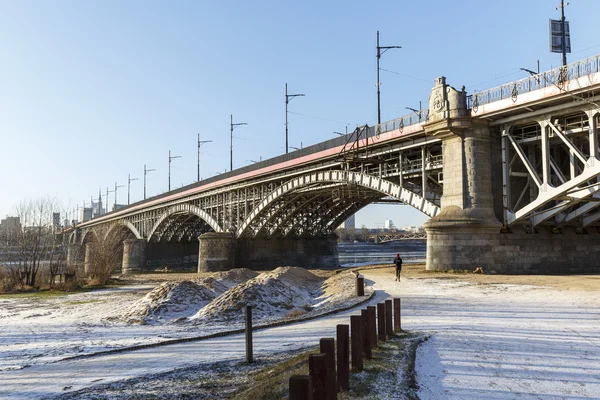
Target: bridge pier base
(75, 258)
(314, 252)
(134, 251)
(216, 252)
(88, 258)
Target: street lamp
(379, 53)
(129, 179)
(145, 172)
(170, 159)
(288, 97)
(418, 112)
(116, 189)
(232, 127)
(107, 192)
(200, 143)
(340, 133)
(536, 75)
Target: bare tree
(30, 242)
(106, 253)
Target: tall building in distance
(85, 214)
(350, 223)
(389, 224)
(55, 222)
(97, 209)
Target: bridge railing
(553, 77)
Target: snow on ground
(485, 341)
(41, 330)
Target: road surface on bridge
(487, 340)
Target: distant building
(389, 224)
(85, 214)
(55, 222)
(350, 223)
(97, 209)
(411, 228)
(8, 226)
(117, 206)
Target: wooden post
(360, 286)
(343, 357)
(317, 367)
(356, 342)
(249, 356)
(301, 387)
(397, 327)
(388, 318)
(327, 347)
(372, 325)
(381, 322)
(366, 335)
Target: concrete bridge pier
(134, 251)
(462, 235)
(216, 252)
(75, 258)
(88, 258)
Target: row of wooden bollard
(328, 374)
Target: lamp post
(418, 112)
(232, 127)
(129, 179)
(288, 97)
(340, 133)
(116, 189)
(170, 159)
(564, 34)
(200, 143)
(145, 172)
(379, 53)
(107, 192)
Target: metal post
(200, 143)
(379, 53)
(249, 357)
(116, 189)
(170, 159)
(232, 127)
(146, 171)
(356, 342)
(301, 387)
(129, 179)
(360, 286)
(288, 97)
(327, 347)
(564, 34)
(343, 353)
(107, 192)
(371, 315)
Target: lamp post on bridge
(129, 179)
(116, 189)
(340, 133)
(170, 159)
(232, 127)
(200, 143)
(145, 172)
(288, 97)
(379, 53)
(107, 192)
(417, 112)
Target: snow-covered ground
(486, 341)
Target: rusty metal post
(317, 369)
(381, 322)
(366, 339)
(372, 325)
(388, 318)
(343, 358)
(301, 387)
(397, 327)
(356, 342)
(360, 286)
(327, 347)
(249, 355)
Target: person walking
(398, 262)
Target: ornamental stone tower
(461, 236)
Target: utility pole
(107, 192)
(564, 35)
(129, 179)
(379, 53)
(200, 143)
(145, 172)
(232, 127)
(116, 188)
(170, 159)
(288, 97)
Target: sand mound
(169, 301)
(234, 276)
(285, 291)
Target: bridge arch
(123, 223)
(188, 209)
(375, 184)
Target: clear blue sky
(92, 91)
